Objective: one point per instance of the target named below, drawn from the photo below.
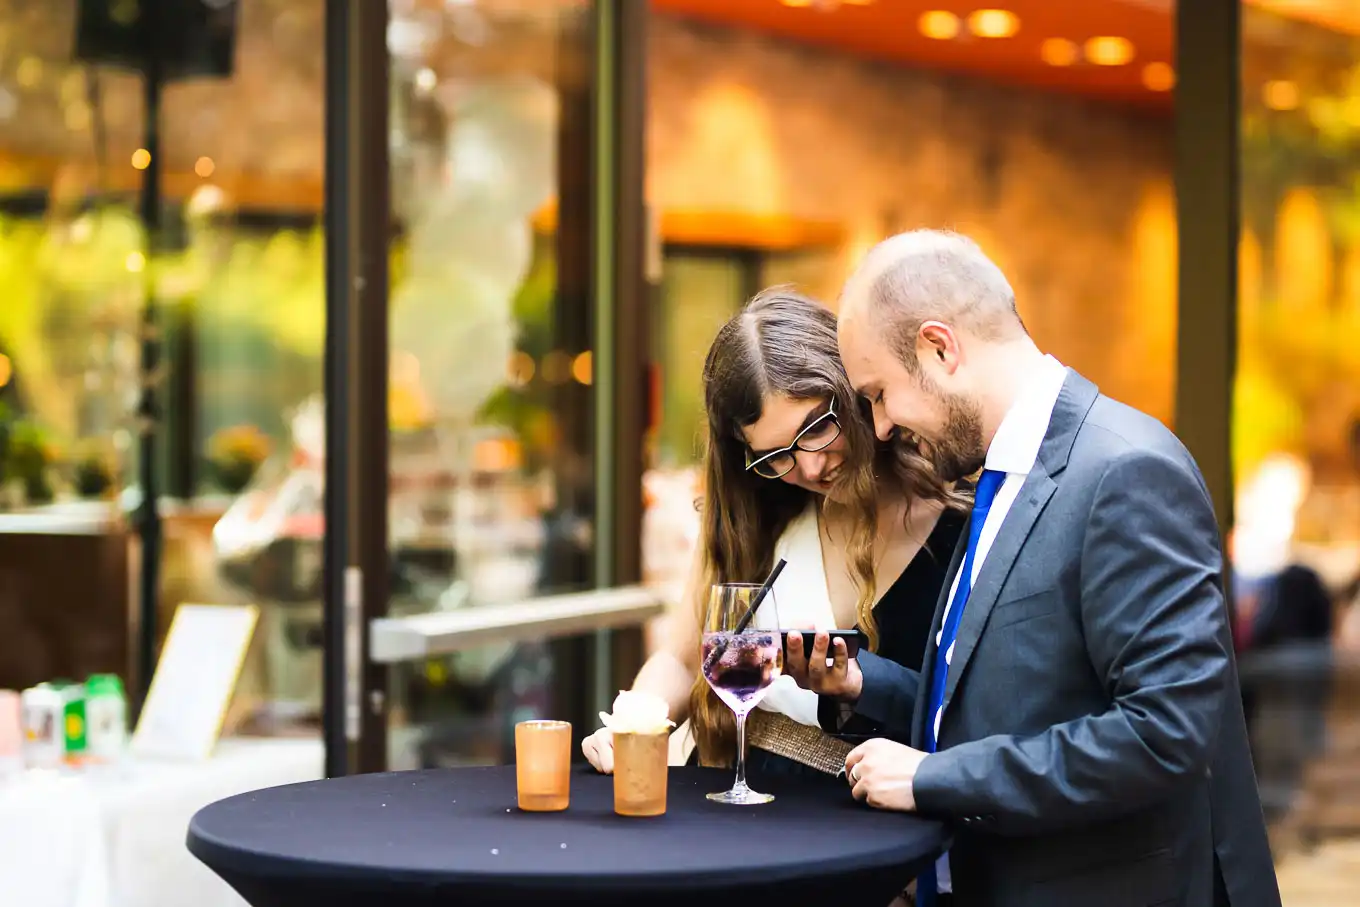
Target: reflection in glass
(1296, 544)
(236, 282)
(487, 383)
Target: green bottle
(73, 718)
(105, 717)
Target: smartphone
(854, 640)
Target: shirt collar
(1016, 444)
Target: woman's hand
(599, 750)
(841, 680)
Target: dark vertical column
(358, 231)
(148, 409)
(623, 100)
(181, 400)
(601, 307)
(751, 267)
(1208, 49)
(567, 564)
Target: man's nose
(883, 426)
(811, 464)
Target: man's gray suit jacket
(1092, 748)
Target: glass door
(512, 309)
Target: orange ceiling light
(939, 24)
(1109, 50)
(1159, 76)
(1059, 52)
(796, 4)
(935, 37)
(993, 23)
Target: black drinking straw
(750, 612)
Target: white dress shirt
(1014, 450)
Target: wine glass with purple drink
(740, 661)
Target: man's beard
(958, 452)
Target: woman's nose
(811, 464)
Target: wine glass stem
(740, 784)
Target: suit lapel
(928, 662)
(1069, 414)
(1019, 522)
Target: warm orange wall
(1072, 198)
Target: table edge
(264, 865)
(233, 856)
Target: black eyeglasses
(817, 436)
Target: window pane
(490, 386)
(234, 281)
(1296, 423)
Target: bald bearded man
(1078, 715)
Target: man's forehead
(856, 341)
(862, 372)
(850, 325)
(850, 307)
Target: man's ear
(937, 341)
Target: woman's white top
(802, 602)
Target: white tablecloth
(114, 837)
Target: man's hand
(881, 772)
(841, 680)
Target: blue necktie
(988, 484)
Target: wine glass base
(736, 797)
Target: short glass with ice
(740, 662)
(641, 730)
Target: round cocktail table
(455, 837)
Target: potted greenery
(234, 454)
(10, 495)
(94, 474)
(28, 461)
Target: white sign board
(194, 681)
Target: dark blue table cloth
(455, 837)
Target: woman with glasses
(793, 470)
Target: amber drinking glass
(640, 764)
(543, 765)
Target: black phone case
(854, 640)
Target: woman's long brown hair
(783, 343)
